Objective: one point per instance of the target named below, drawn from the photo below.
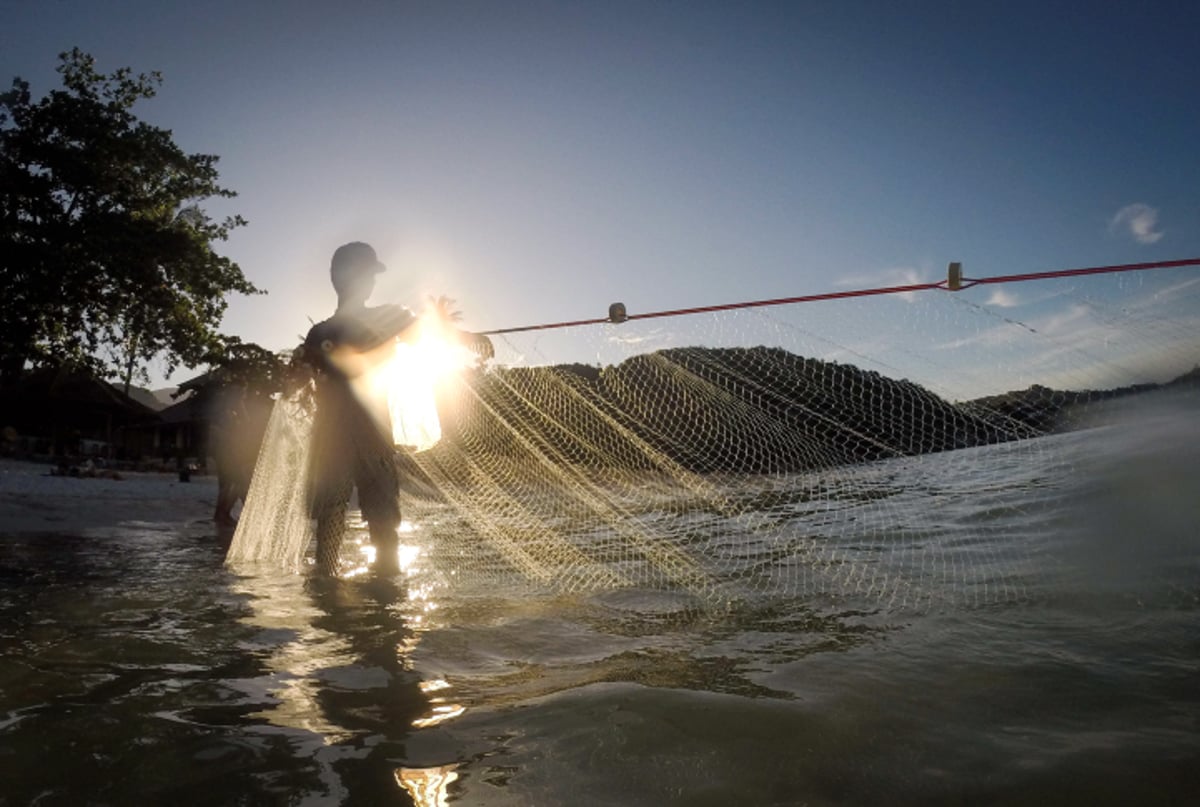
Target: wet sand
(31, 500)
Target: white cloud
(1140, 220)
(1168, 292)
(1002, 298)
(894, 276)
(886, 278)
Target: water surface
(1018, 626)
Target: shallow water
(1047, 652)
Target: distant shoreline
(32, 500)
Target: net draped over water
(763, 450)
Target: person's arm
(352, 362)
(478, 344)
(361, 343)
(447, 316)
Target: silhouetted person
(352, 431)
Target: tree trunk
(130, 364)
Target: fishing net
(892, 448)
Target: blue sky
(539, 160)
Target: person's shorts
(344, 457)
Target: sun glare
(410, 379)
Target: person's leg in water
(379, 495)
(331, 529)
(331, 481)
(226, 499)
(387, 548)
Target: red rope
(546, 326)
(837, 295)
(808, 298)
(1094, 270)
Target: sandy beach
(31, 500)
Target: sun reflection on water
(427, 786)
(325, 672)
(442, 709)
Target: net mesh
(847, 448)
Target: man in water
(352, 433)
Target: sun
(410, 380)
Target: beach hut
(66, 411)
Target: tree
(244, 365)
(106, 255)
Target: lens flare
(410, 379)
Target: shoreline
(33, 500)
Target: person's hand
(481, 346)
(443, 307)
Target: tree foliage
(106, 254)
(248, 366)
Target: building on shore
(67, 412)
